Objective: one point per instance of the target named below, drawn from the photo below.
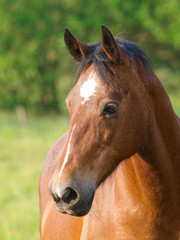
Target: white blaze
(88, 88)
(68, 150)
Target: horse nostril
(55, 197)
(69, 195)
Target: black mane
(102, 63)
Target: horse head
(108, 120)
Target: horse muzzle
(73, 199)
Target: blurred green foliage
(35, 70)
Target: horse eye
(111, 109)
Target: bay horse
(116, 173)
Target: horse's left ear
(76, 48)
(110, 46)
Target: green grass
(22, 153)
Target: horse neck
(164, 125)
(151, 175)
(160, 151)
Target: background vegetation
(36, 75)
(22, 152)
(35, 68)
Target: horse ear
(110, 46)
(76, 48)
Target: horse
(114, 175)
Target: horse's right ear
(76, 48)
